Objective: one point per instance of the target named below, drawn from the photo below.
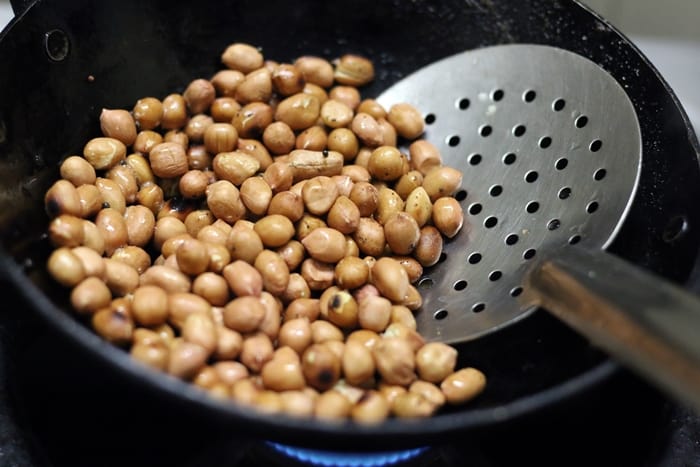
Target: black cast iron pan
(49, 108)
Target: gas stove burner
(347, 459)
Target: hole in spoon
(440, 314)
(509, 158)
(478, 307)
(460, 285)
(463, 104)
(529, 95)
(558, 105)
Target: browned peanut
(390, 138)
(244, 243)
(390, 391)
(463, 385)
(114, 323)
(90, 295)
(344, 141)
(214, 233)
(112, 227)
(199, 328)
(362, 158)
(274, 271)
(429, 247)
(193, 184)
(348, 95)
(319, 193)
(369, 237)
(332, 406)
(307, 164)
(186, 359)
(403, 315)
(336, 114)
(339, 307)
(255, 87)
(371, 409)
(413, 299)
(321, 366)
(442, 181)
(77, 170)
(386, 163)
(134, 256)
(317, 274)
(229, 343)
(402, 233)
(121, 278)
(63, 198)
(367, 129)
(357, 363)
(372, 107)
(308, 308)
(274, 230)
(407, 120)
(351, 272)
(223, 109)
(279, 138)
(316, 70)
(435, 361)
(408, 183)
(207, 377)
(256, 149)
(245, 391)
(257, 350)
(243, 279)
(297, 403)
(280, 176)
(288, 204)
(224, 201)
(178, 137)
(183, 304)
(192, 256)
(296, 334)
(212, 287)
(220, 137)
(167, 278)
(429, 391)
(149, 305)
(111, 193)
(366, 198)
(296, 288)
(168, 160)
(199, 95)
(325, 244)
(287, 79)
(374, 313)
(353, 70)
(448, 216)
(155, 354)
(388, 203)
(148, 112)
(419, 206)
(104, 153)
(281, 374)
(235, 166)
(140, 224)
(118, 124)
(317, 91)
(256, 194)
(272, 320)
(412, 405)
(244, 314)
(90, 199)
(413, 268)
(395, 361)
(226, 81)
(242, 57)
(125, 178)
(92, 238)
(151, 196)
(196, 126)
(323, 331)
(174, 112)
(145, 140)
(401, 331)
(344, 215)
(92, 263)
(251, 119)
(299, 111)
(313, 138)
(293, 253)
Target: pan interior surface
(550, 149)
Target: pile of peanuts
(260, 234)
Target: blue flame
(347, 459)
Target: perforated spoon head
(550, 149)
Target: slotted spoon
(550, 148)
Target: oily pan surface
(130, 55)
